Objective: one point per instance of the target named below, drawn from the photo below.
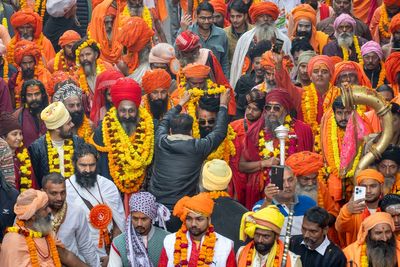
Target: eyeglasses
(275, 108)
(205, 18)
(202, 122)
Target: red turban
(305, 163)
(136, 35)
(370, 174)
(26, 48)
(201, 203)
(27, 16)
(395, 23)
(318, 60)
(187, 41)
(280, 96)
(104, 81)
(263, 8)
(58, 77)
(196, 71)
(391, 2)
(392, 66)
(126, 89)
(155, 79)
(68, 37)
(351, 66)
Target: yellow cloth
(55, 115)
(29, 202)
(216, 175)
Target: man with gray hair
(141, 242)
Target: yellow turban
(55, 115)
(269, 218)
(29, 202)
(216, 175)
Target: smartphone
(277, 176)
(359, 192)
(278, 46)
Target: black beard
(306, 35)
(396, 44)
(158, 107)
(263, 249)
(77, 118)
(129, 124)
(36, 110)
(28, 74)
(271, 125)
(69, 57)
(204, 131)
(381, 253)
(314, 5)
(86, 179)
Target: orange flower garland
(309, 107)
(85, 131)
(40, 5)
(100, 217)
(54, 160)
(217, 194)
(382, 75)
(5, 69)
(25, 168)
(249, 258)
(384, 23)
(60, 57)
(206, 251)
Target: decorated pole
(282, 133)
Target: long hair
(26, 84)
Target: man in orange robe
(376, 243)
(380, 22)
(354, 212)
(392, 66)
(28, 25)
(304, 26)
(28, 58)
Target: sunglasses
(202, 122)
(275, 108)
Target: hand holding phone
(277, 48)
(276, 176)
(359, 192)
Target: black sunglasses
(202, 122)
(275, 108)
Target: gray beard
(43, 225)
(109, 35)
(89, 70)
(310, 191)
(381, 255)
(265, 32)
(345, 40)
(389, 181)
(144, 54)
(272, 125)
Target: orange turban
(267, 61)
(395, 24)
(68, 37)
(59, 77)
(220, 7)
(392, 66)
(372, 221)
(196, 71)
(27, 16)
(370, 174)
(335, 59)
(305, 163)
(155, 79)
(318, 60)
(201, 203)
(263, 8)
(136, 35)
(304, 11)
(29, 202)
(26, 48)
(351, 66)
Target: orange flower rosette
(100, 217)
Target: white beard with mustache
(265, 32)
(345, 39)
(309, 190)
(43, 225)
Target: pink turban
(344, 18)
(372, 46)
(162, 53)
(29, 202)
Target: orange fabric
(336, 59)
(374, 25)
(391, 2)
(351, 66)
(267, 60)
(220, 7)
(370, 174)
(60, 76)
(361, 9)
(196, 71)
(392, 66)
(68, 37)
(26, 48)
(263, 8)
(305, 163)
(29, 202)
(372, 221)
(136, 36)
(242, 261)
(162, 9)
(27, 16)
(201, 203)
(329, 204)
(318, 60)
(110, 50)
(95, 3)
(347, 225)
(395, 24)
(374, 121)
(155, 79)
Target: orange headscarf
(394, 24)
(318, 60)
(196, 70)
(26, 48)
(392, 66)
(201, 203)
(351, 66)
(220, 7)
(29, 202)
(305, 11)
(27, 16)
(263, 8)
(370, 174)
(372, 221)
(267, 61)
(68, 37)
(155, 79)
(136, 35)
(305, 163)
(336, 59)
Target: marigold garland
(54, 160)
(206, 251)
(363, 256)
(128, 156)
(29, 235)
(250, 254)
(40, 5)
(226, 149)
(11, 47)
(217, 194)
(345, 51)
(384, 23)
(309, 107)
(382, 75)
(85, 131)
(82, 76)
(146, 15)
(25, 168)
(4, 22)
(5, 69)
(60, 57)
(146, 104)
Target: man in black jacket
(178, 157)
(53, 151)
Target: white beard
(265, 32)
(345, 40)
(313, 193)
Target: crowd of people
(200, 133)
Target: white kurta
(111, 197)
(74, 233)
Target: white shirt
(111, 197)
(322, 247)
(60, 150)
(74, 233)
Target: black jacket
(177, 163)
(39, 157)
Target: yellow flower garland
(226, 149)
(217, 194)
(309, 107)
(85, 131)
(384, 23)
(4, 23)
(40, 5)
(54, 160)
(25, 168)
(364, 257)
(5, 69)
(146, 15)
(382, 75)
(358, 51)
(128, 156)
(250, 254)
